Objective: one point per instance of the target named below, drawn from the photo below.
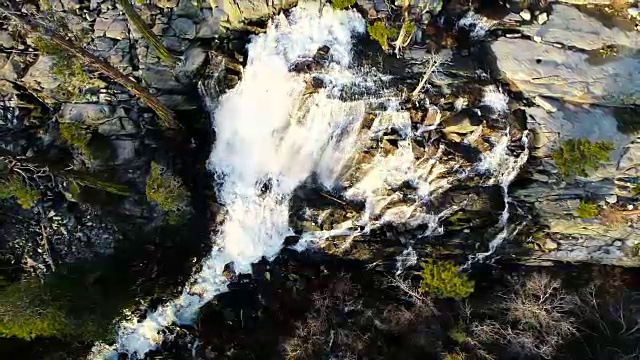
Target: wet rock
(113, 26)
(322, 54)
(525, 15)
(211, 26)
(103, 45)
(462, 122)
(178, 102)
(124, 151)
(159, 77)
(184, 28)
(433, 116)
(175, 44)
(629, 163)
(40, 74)
(542, 18)
(305, 66)
(118, 126)
(88, 113)
(570, 27)
(549, 245)
(120, 55)
(71, 4)
(545, 70)
(374, 7)
(192, 62)
(6, 40)
(167, 4)
(186, 9)
(11, 67)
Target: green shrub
(456, 355)
(342, 4)
(27, 311)
(458, 335)
(409, 28)
(78, 302)
(587, 210)
(441, 279)
(74, 134)
(14, 187)
(381, 33)
(168, 192)
(575, 157)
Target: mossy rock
(576, 157)
(168, 192)
(14, 187)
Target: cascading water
(504, 168)
(272, 135)
(270, 138)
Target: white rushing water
(504, 168)
(270, 138)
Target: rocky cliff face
(582, 75)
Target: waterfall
(271, 136)
(504, 169)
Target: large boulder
(546, 70)
(243, 11)
(571, 27)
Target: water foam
(504, 168)
(270, 138)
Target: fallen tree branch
(433, 61)
(146, 32)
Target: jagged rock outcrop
(569, 60)
(540, 69)
(244, 11)
(575, 58)
(570, 27)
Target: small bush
(168, 192)
(75, 134)
(587, 210)
(441, 279)
(26, 312)
(456, 355)
(342, 4)
(575, 157)
(458, 335)
(77, 302)
(14, 187)
(381, 33)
